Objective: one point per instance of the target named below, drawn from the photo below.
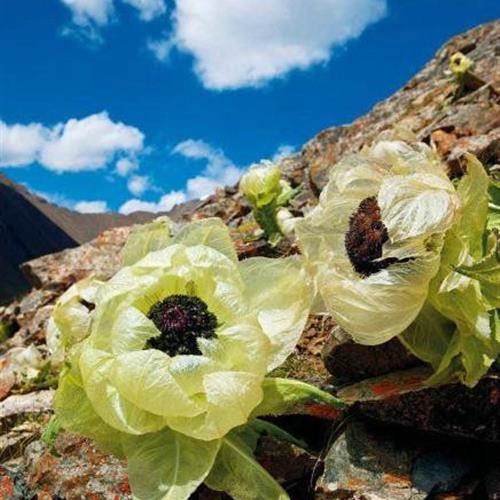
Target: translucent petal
(211, 232)
(111, 406)
(283, 308)
(130, 331)
(76, 414)
(167, 465)
(143, 378)
(246, 347)
(146, 238)
(189, 370)
(381, 306)
(418, 205)
(230, 397)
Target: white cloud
(85, 12)
(89, 15)
(83, 206)
(91, 207)
(219, 170)
(161, 48)
(79, 144)
(126, 165)
(138, 184)
(20, 144)
(247, 43)
(148, 9)
(165, 203)
(283, 151)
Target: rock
(31, 403)
(100, 257)
(290, 465)
(13, 442)
(349, 362)
(12, 484)
(80, 471)
(403, 398)
(369, 461)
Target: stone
(79, 471)
(403, 398)
(374, 462)
(22, 404)
(350, 362)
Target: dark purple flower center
(181, 319)
(365, 238)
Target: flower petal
(111, 406)
(416, 206)
(381, 306)
(230, 398)
(143, 378)
(283, 308)
(211, 232)
(146, 238)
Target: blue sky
(138, 104)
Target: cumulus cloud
(165, 203)
(91, 207)
(148, 9)
(219, 170)
(138, 184)
(247, 43)
(20, 144)
(89, 143)
(89, 15)
(85, 12)
(161, 48)
(126, 165)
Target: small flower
(172, 372)
(267, 192)
(71, 318)
(374, 241)
(261, 184)
(460, 64)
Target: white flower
(261, 184)
(374, 241)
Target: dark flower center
(181, 319)
(365, 237)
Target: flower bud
(261, 184)
(460, 64)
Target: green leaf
(429, 336)
(494, 206)
(146, 238)
(282, 395)
(236, 472)
(265, 428)
(464, 292)
(167, 465)
(487, 270)
(50, 434)
(473, 191)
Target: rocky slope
(399, 439)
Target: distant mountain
(30, 226)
